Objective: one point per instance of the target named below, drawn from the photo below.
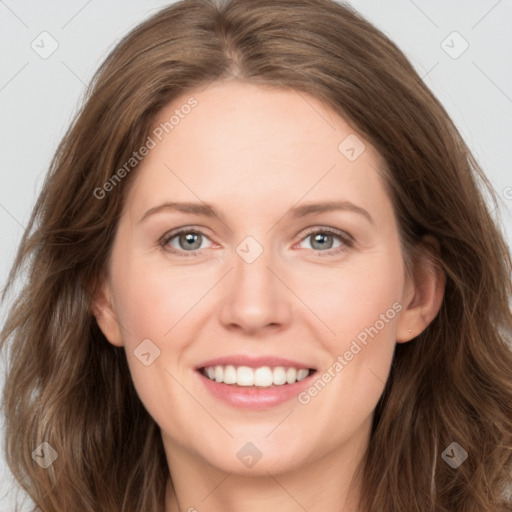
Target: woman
(261, 276)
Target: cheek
(361, 306)
(156, 304)
(159, 303)
(154, 300)
(358, 296)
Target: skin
(254, 153)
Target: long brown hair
(66, 385)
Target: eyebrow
(208, 210)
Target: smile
(262, 377)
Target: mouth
(260, 377)
(254, 384)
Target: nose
(256, 298)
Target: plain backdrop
(461, 48)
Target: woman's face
(288, 264)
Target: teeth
(291, 375)
(279, 375)
(302, 374)
(229, 375)
(263, 377)
(244, 376)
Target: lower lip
(249, 397)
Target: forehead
(233, 119)
(248, 144)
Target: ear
(423, 291)
(103, 309)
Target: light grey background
(38, 97)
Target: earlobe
(424, 292)
(106, 317)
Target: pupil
(190, 238)
(321, 238)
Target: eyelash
(347, 241)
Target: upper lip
(253, 362)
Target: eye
(323, 241)
(187, 242)
(184, 241)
